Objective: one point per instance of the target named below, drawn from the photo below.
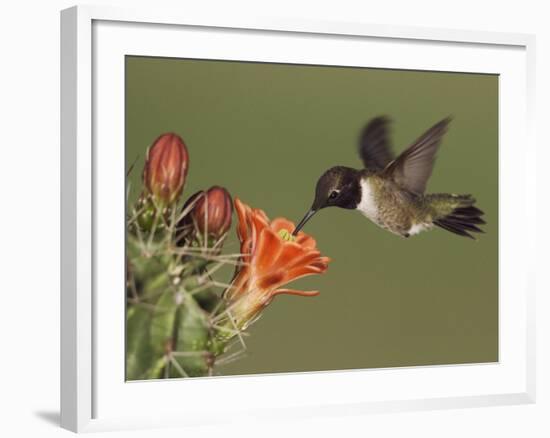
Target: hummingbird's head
(337, 187)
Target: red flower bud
(166, 168)
(212, 211)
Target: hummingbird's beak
(307, 217)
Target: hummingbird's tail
(456, 213)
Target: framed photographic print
(254, 208)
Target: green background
(267, 132)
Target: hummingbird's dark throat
(301, 224)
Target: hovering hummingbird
(390, 191)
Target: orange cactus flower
(271, 258)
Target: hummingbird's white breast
(368, 205)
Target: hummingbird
(391, 191)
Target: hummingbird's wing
(374, 144)
(413, 167)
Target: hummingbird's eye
(333, 194)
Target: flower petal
(267, 251)
(242, 215)
(305, 259)
(291, 251)
(246, 250)
(303, 293)
(258, 223)
(272, 280)
(306, 240)
(261, 214)
(281, 223)
(302, 271)
(321, 262)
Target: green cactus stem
(175, 323)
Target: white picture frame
(93, 395)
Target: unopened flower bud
(212, 211)
(166, 168)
